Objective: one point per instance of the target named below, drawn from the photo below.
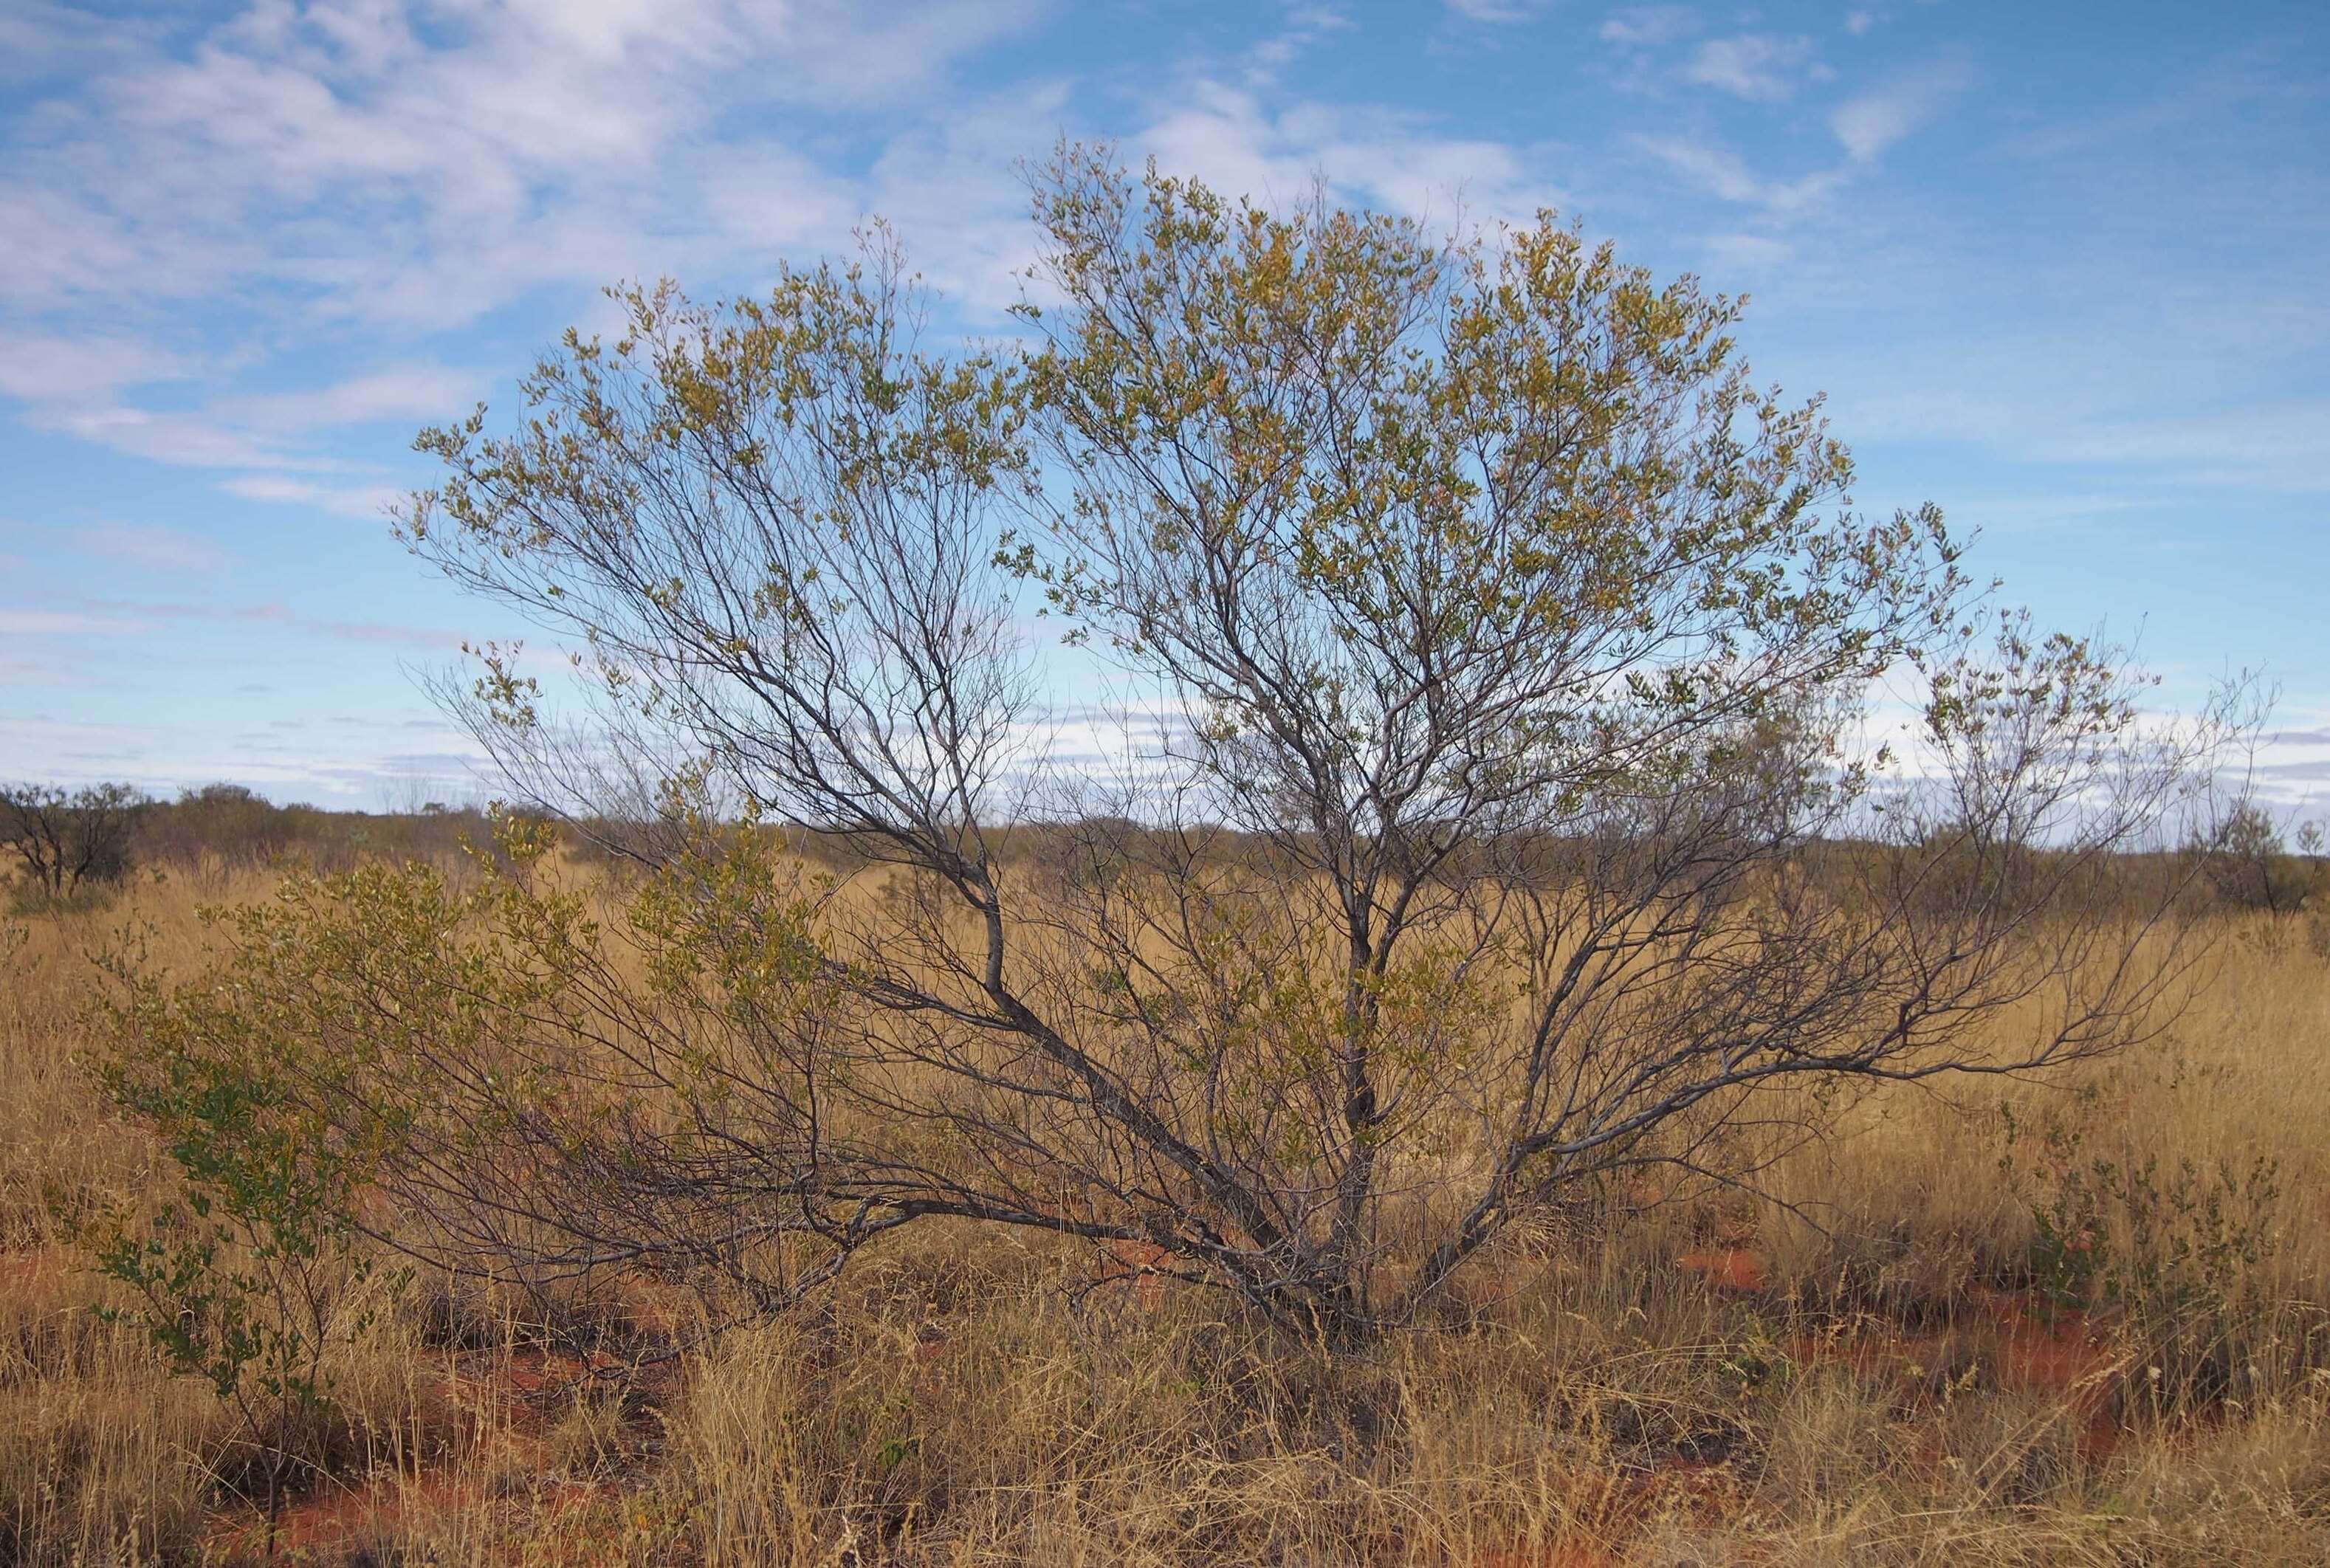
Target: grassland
(2083, 1322)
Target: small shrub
(67, 841)
(2251, 868)
(2174, 1253)
(239, 1276)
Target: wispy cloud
(1760, 67)
(1500, 11)
(40, 38)
(165, 758)
(1737, 253)
(410, 392)
(382, 169)
(1305, 26)
(1866, 124)
(167, 436)
(346, 169)
(1648, 26)
(62, 623)
(369, 501)
(272, 437)
(290, 620)
(150, 546)
(1873, 121)
(1231, 141)
(78, 368)
(1722, 173)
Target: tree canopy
(1504, 832)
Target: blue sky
(2060, 269)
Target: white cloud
(164, 437)
(166, 758)
(383, 171)
(350, 165)
(418, 391)
(1873, 121)
(1718, 170)
(1228, 139)
(2277, 443)
(956, 193)
(1758, 67)
(1747, 252)
(1648, 26)
(1866, 125)
(73, 388)
(1305, 26)
(278, 615)
(1723, 174)
(39, 38)
(1500, 11)
(80, 368)
(150, 545)
(369, 501)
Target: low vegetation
(2082, 1321)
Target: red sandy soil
(333, 1527)
(2015, 1340)
(2016, 1343)
(1735, 1269)
(560, 1519)
(1729, 1261)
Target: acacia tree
(2251, 868)
(1501, 824)
(64, 838)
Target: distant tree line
(69, 844)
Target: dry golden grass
(1884, 1394)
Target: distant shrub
(235, 825)
(69, 842)
(230, 828)
(2250, 867)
